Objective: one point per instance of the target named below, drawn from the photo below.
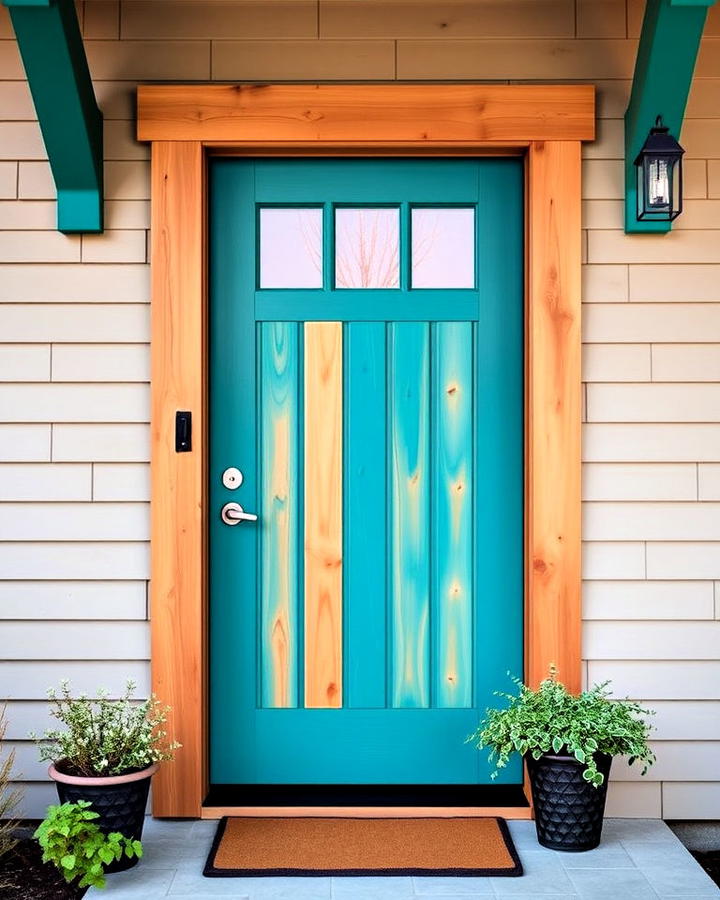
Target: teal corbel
(52, 51)
(668, 49)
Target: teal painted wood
(50, 43)
(408, 412)
(669, 44)
(278, 402)
(365, 504)
(370, 740)
(453, 513)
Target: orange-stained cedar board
(178, 611)
(410, 113)
(553, 399)
(323, 514)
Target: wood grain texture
(453, 514)
(553, 606)
(323, 357)
(178, 568)
(413, 113)
(410, 513)
(279, 498)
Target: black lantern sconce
(659, 176)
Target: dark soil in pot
(24, 876)
(568, 810)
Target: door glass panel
(443, 248)
(366, 248)
(291, 248)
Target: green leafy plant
(552, 720)
(106, 737)
(72, 841)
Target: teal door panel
(366, 377)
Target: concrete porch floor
(639, 859)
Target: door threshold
(367, 801)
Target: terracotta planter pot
(568, 810)
(120, 801)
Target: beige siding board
(74, 561)
(24, 716)
(123, 481)
(683, 560)
(613, 560)
(21, 140)
(116, 99)
(651, 443)
(114, 247)
(602, 179)
(36, 797)
(75, 403)
(699, 214)
(74, 323)
(676, 761)
(127, 213)
(47, 482)
(601, 19)
(634, 801)
(639, 481)
(686, 362)
(23, 680)
(76, 284)
(709, 482)
(74, 522)
(603, 214)
(713, 169)
(611, 98)
(120, 142)
(450, 19)
(647, 600)
(699, 138)
(149, 60)
(102, 19)
(687, 720)
(653, 402)
(101, 600)
(127, 180)
(631, 323)
(24, 443)
(6, 29)
(35, 181)
(704, 99)
(685, 800)
(76, 640)
(695, 179)
(11, 66)
(546, 60)
(651, 640)
(708, 62)
(101, 443)
(659, 680)
(101, 362)
(22, 214)
(16, 102)
(28, 766)
(219, 19)
(678, 247)
(8, 180)
(288, 60)
(24, 362)
(605, 284)
(675, 284)
(609, 141)
(651, 521)
(616, 362)
(38, 247)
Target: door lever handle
(233, 514)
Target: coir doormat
(362, 846)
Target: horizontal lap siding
(74, 332)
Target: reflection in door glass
(290, 248)
(366, 248)
(443, 248)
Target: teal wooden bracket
(669, 45)
(48, 35)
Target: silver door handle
(233, 513)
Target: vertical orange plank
(323, 514)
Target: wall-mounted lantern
(659, 176)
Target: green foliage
(106, 737)
(75, 845)
(9, 798)
(551, 720)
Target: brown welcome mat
(347, 846)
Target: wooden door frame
(188, 123)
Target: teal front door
(366, 381)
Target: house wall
(74, 355)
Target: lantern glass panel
(659, 188)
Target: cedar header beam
(669, 45)
(52, 51)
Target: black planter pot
(568, 810)
(119, 800)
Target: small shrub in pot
(106, 755)
(568, 742)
